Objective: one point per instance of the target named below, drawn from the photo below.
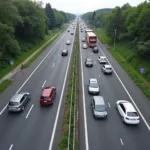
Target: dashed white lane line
(11, 146)
(121, 141)
(43, 83)
(53, 65)
(3, 109)
(29, 111)
(146, 123)
(109, 104)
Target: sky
(83, 6)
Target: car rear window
(132, 114)
(13, 103)
(46, 98)
(108, 68)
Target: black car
(72, 33)
(95, 49)
(88, 62)
(64, 52)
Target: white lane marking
(29, 111)
(99, 75)
(43, 83)
(3, 109)
(60, 102)
(121, 141)
(53, 65)
(109, 104)
(11, 146)
(35, 70)
(128, 93)
(84, 108)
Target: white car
(107, 69)
(83, 40)
(127, 111)
(93, 86)
(102, 59)
(68, 42)
(85, 46)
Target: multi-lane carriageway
(39, 128)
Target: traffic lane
(23, 114)
(20, 77)
(141, 101)
(115, 93)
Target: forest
(23, 23)
(132, 25)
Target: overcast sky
(82, 6)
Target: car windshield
(46, 98)
(13, 103)
(100, 108)
(132, 114)
(94, 85)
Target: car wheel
(23, 108)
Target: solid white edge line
(29, 111)
(43, 83)
(34, 71)
(127, 92)
(53, 65)
(3, 109)
(121, 141)
(109, 104)
(59, 105)
(11, 146)
(83, 97)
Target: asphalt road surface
(112, 133)
(35, 127)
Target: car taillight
(127, 118)
(19, 106)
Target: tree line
(23, 24)
(132, 25)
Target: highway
(35, 128)
(112, 133)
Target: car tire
(22, 108)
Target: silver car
(68, 42)
(93, 86)
(85, 46)
(102, 60)
(107, 69)
(18, 102)
(99, 108)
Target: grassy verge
(129, 60)
(5, 84)
(8, 68)
(71, 94)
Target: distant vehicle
(128, 113)
(48, 95)
(93, 86)
(64, 52)
(18, 102)
(83, 40)
(68, 30)
(95, 49)
(88, 62)
(107, 69)
(72, 33)
(102, 59)
(91, 39)
(99, 107)
(81, 30)
(85, 46)
(68, 42)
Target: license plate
(45, 101)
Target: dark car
(88, 62)
(48, 95)
(95, 49)
(72, 33)
(64, 52)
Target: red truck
(91, 39)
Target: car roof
(107, 66)
(93, 80)
(89, 59)
(46, 92)
(17, 97)
(99, 100)
(64, 50)
(129, 107)
(102, 56)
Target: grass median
(129, 60)
(72, 95)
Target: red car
(48, 95)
